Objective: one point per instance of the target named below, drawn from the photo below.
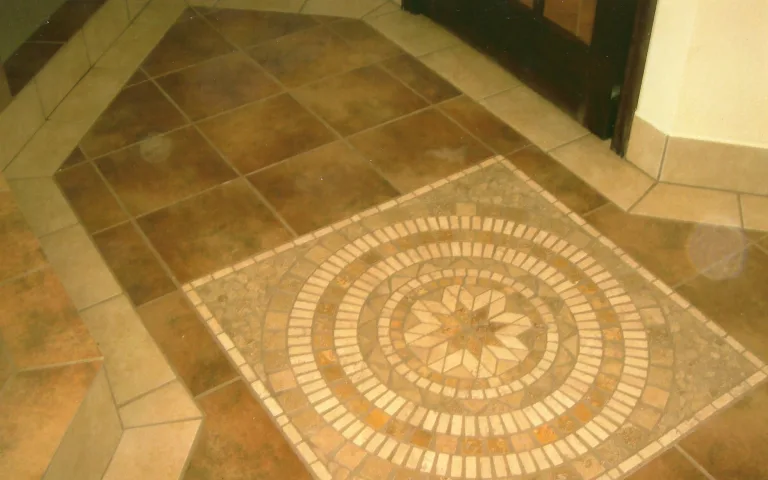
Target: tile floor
(244, 130)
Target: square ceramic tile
(315, 189)
(247, 28)
(754, 211)
(90, 197)
(502, 138)
(421, 79)
(212, 229)
(162, 170)
(218, 85)
(413, 335)
(260, 134)
(359, 100)
(419, 149)
(690, 204)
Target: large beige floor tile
(415, 34)
(92, 437)
(168, 403)
(134, 363)
(135, 7)
(47, 150)
(341, 8)
(646, 147)
(104, 27)
(387, 7)
(530, 114)
(156, 452)
(91, 95)
(80, 267)
(754, 209)
(470, 71)
(615, 178)
(690, 204)
(18, 123)
(270, 5)
(62, 72)
(44, 207)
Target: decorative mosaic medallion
(474, 329)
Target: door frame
(612, 64)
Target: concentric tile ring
(613, 415)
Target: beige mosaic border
(628, 466)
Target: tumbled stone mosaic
(473, 329)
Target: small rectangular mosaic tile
(475, 329)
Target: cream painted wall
(707, 71)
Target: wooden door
(574, 52)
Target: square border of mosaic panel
(626, 467)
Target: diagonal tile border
(203, 293)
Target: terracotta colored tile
(674, 251)
(247, 28)
(65, 21)
(484, 125)
(137, 77)
(239, 441)
(26, 61)
(359, 99)
(364, 38)
(74, 158)
(736, 299)
(6, 365)
(21, 250)
(163, 170)
(213, 229)
(36, 408)
(186, 343)
(419, 77)
(261, 134)
(132, 262)
(136, 113)
(326, 185)
(672, 465)
(186, 43)
(89, 197)
(39, 324)
(419, 149)
(558, 180)
(307, 56)
(732, 445)
(218, 85)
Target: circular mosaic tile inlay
(468, 347)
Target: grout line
(693, 461)
(662, 159)
(640, 199)
(144, 394)
(167, 422)
(62, 364)
(235, 379)
(741, 211)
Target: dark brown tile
(74, 158)
(308, 56)
(36, 408)
(484, 125)
(419, 77)
(247, 28)
(558, 180)
(419, 149)
(261, 134)
(186, 43)
(133, 263)
(163, 170)
(6, 365)
(20, 248)
(65, 21)
(670, 465)
(673, 251)
(359, 99)
(732, 444)
(186, 343)
(364, 38)
(5, 89)
(137, 113)
(137, 77)
(26, 61)
(238, 441)
(39, 325)
(315, 189)
(218, 85)
(90, 198)
(736, 298)
(212, 230)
